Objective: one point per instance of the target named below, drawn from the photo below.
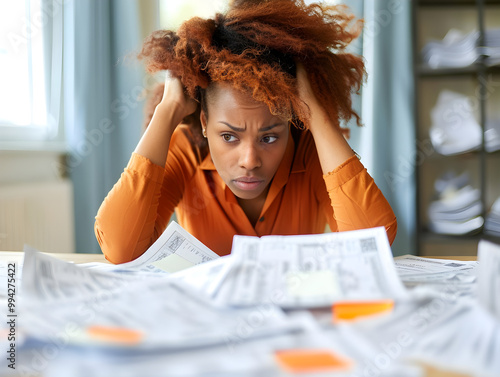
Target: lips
(248, 183)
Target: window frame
(49, 23)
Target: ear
(203, 119)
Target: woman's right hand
(169, 113)
(174, 95)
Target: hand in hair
(331, 145)
(175, 97)
(174, 106)
(306, 94)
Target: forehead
(223, 96)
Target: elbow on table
(117, 253)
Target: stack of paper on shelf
(455, 50)
(492, 223)
(451, 179)
(457, 209)
(492, 135)
(454, 128)
(491, 47)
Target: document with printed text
(311, 270)
(175, 250)
(456, 278)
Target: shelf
(428, 236)
(495, 69)
(430, 19)
(441, 3)
(434, 156)
(426, 71)
(434, 238)
(447, 3)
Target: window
(30, 72)
(174, 12)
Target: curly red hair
(255, 46)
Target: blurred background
(72, 97)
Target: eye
(228, 138)
(269, 139)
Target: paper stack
(455, 50)
(491, 47)
(311, 270)
(435, 329)
(278, 306)
(142, 318)
(456, 279)
(458, 207)
(461, 50)
(492, 223)
(454, 128)
(492, 135)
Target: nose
(249, 157)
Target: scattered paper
(410, 265)
(452, 335)
(192, 316)
(311, 270)
(206, 277)
(489, 276)
(48, 279)
(451, 277)
(175, 250)
(169, 313)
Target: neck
(253, 207)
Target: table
(17, 256)
(461, 257)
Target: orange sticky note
(348, 311)
(309, 361)
(115, 335)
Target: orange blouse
(301, 200)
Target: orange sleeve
(137, 209)
(356, 200)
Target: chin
(246, 195)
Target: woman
(246, 138)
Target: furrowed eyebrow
(235, 129)
(263, 129)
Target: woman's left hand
(317, 113)
(331, 145)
